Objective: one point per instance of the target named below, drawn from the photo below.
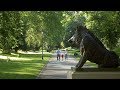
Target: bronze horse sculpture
(93, 50)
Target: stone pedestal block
(94, 73)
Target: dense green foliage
(104, 24)
(29, 30)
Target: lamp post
(42, 45)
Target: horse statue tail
(115, 56)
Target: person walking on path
(58, 54)
(66, 54)
(62, 56)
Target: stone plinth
(94, 73)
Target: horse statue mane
(93, 50)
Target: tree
(72, 19)
(10, 29)
(105, 24)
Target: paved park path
(57, 69)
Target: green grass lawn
(94, 65)
(27, 66)
(72, 51)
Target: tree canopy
(27, 30)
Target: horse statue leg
(83, 59)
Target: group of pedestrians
(61, 55)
